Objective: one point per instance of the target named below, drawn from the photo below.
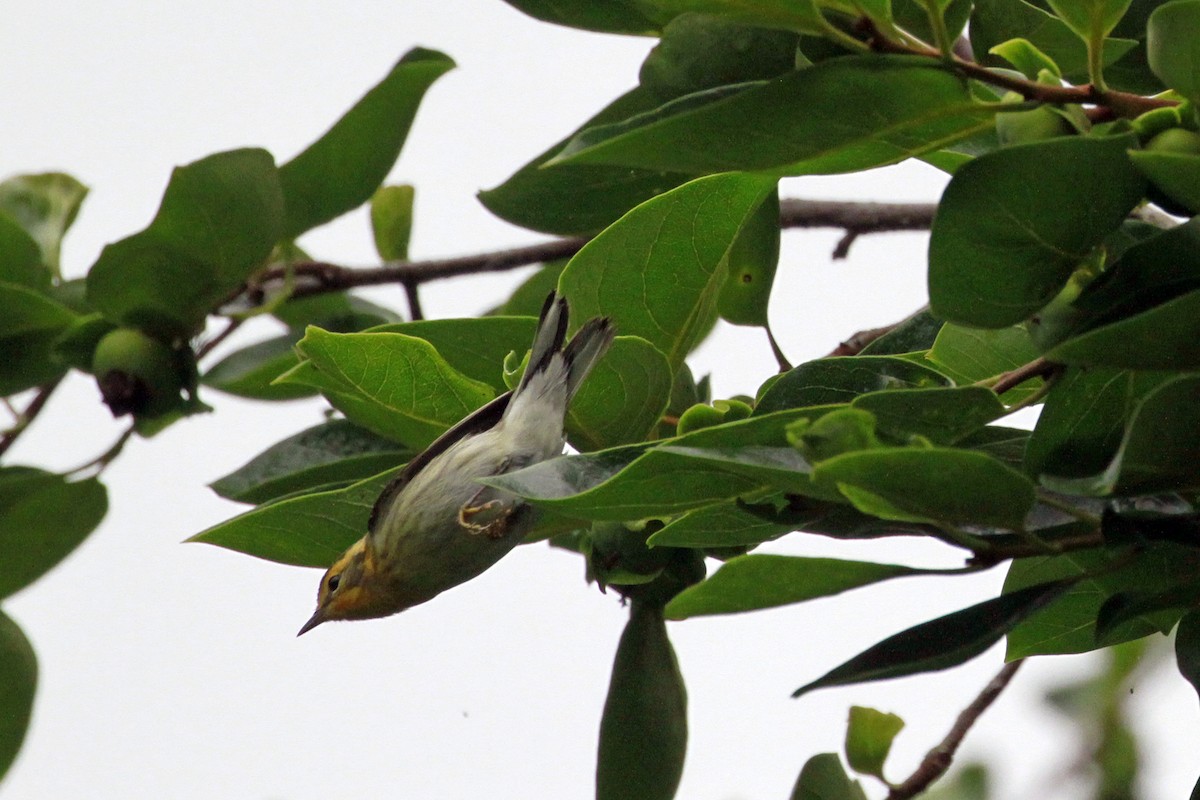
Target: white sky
(172, 670)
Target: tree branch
(1038, 368)
(938, 760)
(318, 277)
(28, 415)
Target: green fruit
(1175, 140)
(643, 733)
(137, 374)
(1018, 127)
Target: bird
(435, 525)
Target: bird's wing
(482, 419)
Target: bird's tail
(548, 355)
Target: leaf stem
(940, 34)
(28, 415)
(101, 462)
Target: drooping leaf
(842, 115)
(341, 170)
(752, 261)
(18, 682)
(391, 220)
(218, 222)
(1123, 607)
(944, 642)
(658, 270)
(333, 452)
(840, 380)
(390, 383)
(869, 736)
(960, 487)
(1007, 235)
(42, 519)
(758, 581)
(311, 530)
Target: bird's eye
(333, 582)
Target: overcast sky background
(171, 670)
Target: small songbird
(435, 525)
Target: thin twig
(206, 348)
(28, 415)
(1038, 368)
(938, 760)
(856, 343)
(414, 301)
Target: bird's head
(351, 589)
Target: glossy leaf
(842, 115)
(658, 270)
(840, 380)
(623, 397)
(944, 642)
(42, 519)
(1026, 57)
(931, 485)
(969, 355)
(341, 170)
(391, 221)
(333, 452)
(758, 581)
(251, 371)
(1007, 235)
(569, 199)
(45, 206)
(18, 682)
(307, 531)
(1069, 624)
(390, 383)
(476, 347)
(869, 736)
(942, 415)
(1172, 47)
(218, 222)
(823, 778)
(1164, 337)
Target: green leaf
(18, 683)
(823, 778)
(1083, 421)
(27, 311)
(614, 16)
(1025, 56)
(20, 259)
(251, 371)
(1187, 649)
(1165, 337)
(756, 581)
(1126, 606)
(658, 270)
(333, 452)
(1008, 232)
(1069, 624)
(1092, 20)
(578, 200)
(341, 170)
(307, 531)
(1176, 175)
(42, 519)
(779, 468)
(718, 525)
(391, 221)
(643, 730)
(840, 380)
(218, 221)
(476, 347)
(527, 299)
(1157, 451)
(390, 383)
(29, 327)
(960, 487)
(970, 355)
(623, 397)
(842, 115)
(869, 736)
(752, 261)
(1172, 47)
(704, 51)
(915, 334)
(942, 415)
(45, 206)
(944, 642)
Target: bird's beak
(316, 619)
